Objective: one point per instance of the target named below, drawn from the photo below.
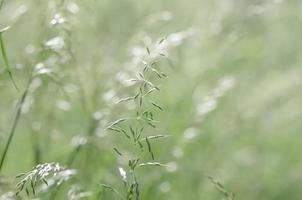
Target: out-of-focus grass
(232, 100)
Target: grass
(150, 99)
(134, 130)
(8, 68)
(13, 128)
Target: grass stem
(14, 125)
(1, 4)
(5, 59)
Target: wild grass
(133, 128)
(141, 100)
(14, 125)
(5, 59)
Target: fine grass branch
(47, 174)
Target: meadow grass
(150, 99)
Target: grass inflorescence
(133, 128)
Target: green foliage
(147, 99)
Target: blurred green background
(232, 101)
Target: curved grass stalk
(15, 123)
(5, 59)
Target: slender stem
(69, 162)
(1, 4)
(72, 156)
(5, 59)
(14, 125)
(36, 147)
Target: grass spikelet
(151, 164)
(115, 123)
(220, 188)
(157, 106)
(117, 151)
(149, 148)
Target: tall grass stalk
(15, 123)
(5, 59)
(133, 128)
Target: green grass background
(251, 141)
